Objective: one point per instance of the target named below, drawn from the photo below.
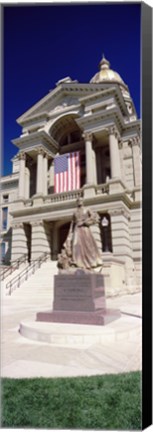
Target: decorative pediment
(72, 98)
(42, 109)
(64, 104)
(59, 99)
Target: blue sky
(42, 44)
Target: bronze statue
(80, 250)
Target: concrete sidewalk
(118, 349)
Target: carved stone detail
(88, 136)
(22, 155)
(112, 130)
(37, 223)
(40, 150)
(134, 141)
(17, 225)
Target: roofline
(63, 87)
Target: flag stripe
(67, 172)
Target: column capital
(88, 136)
(134, 141)
(22, 155)
(40, 150)
(112, 130)
(36, 223)
(17, 225)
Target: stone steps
(38, 288)
(13, 275)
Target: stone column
(19, 241)
(51, 174)
(120, 145)
(94, 166)
(89, 189)
(114, 153)
(134, 143)
(45, 173)
(40, 172)
(39, 243)
(22, 160)
(88, 137)
(27, 182)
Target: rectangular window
(4, 217)
(5, 198)
(3, 249)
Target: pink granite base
(101, 317)
(80, 299)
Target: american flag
(67, 172)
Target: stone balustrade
(64, 196)
(111, 187)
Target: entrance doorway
(63, 232)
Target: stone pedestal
(79, 298)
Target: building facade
(99, 120)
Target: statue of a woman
(80, 249)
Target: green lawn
(100, 402)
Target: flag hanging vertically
(67, 172)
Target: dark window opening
(4, 217)
(106, 235)
(5, 198)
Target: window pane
(4, 217)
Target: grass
(99, 402)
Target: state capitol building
(96, 123)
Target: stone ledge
(77, 335)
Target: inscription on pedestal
(79, 292)
(79, 299)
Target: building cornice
(36, 138)
(48, 211)
(67, 89)
(35, 117)
(111, 115)
(9, 178)
(93, 120)
(109, 91)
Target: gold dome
(106, 74)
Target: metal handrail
(15, 265)
(24, 275)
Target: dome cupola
(106, 74)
